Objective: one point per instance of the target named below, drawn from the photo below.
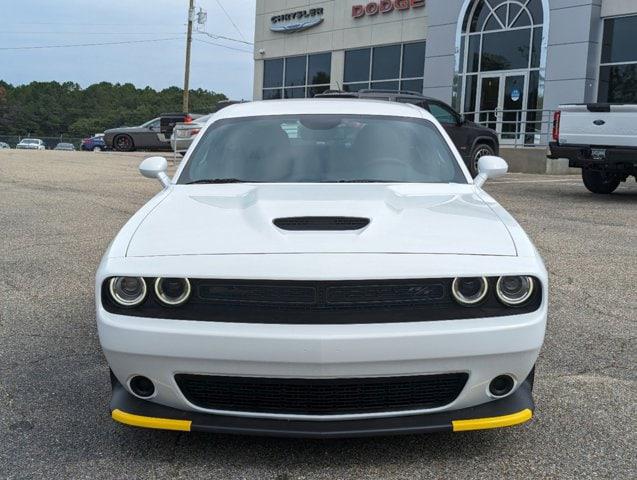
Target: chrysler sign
(385, 6)
(297, 21)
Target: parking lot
(59, 211)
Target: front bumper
(512, 410)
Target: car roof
(325, 106)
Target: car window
(442, 113)
(323, 148)
(154, 123)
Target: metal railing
(517, 128)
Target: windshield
(322, 148)
(29, 141)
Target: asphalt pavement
(59, 211)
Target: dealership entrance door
(501, 103)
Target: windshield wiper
(217, 180)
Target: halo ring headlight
(172, 291)
(127, 291)
(514, 290)
(469, 290)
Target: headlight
(128, 291)
(514, 290)
(172, 291)
(469, 290)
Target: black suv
(472, 140)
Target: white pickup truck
(601, 139)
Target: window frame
(368, 84)
(465, 36)
(306, 87)
(603, 64)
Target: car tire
(599, 182)
(123, 143)
(97, 149)
(480, 150)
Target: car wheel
(480, 150)
(123, 143)
(600, 182)
(97, 149)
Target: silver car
(4, 146)
(184, 133)
(31, 144)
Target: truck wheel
(123, 143)
(478, 151)
(599, 182)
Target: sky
(160, 64)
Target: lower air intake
(298, 396)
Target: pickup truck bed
(601, 139)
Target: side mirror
(490, 167)
(155, 167)
(461, 120)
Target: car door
(147, 135)
(451, 122)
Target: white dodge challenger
(322, 268)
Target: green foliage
(52, 108)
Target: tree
(54, 109)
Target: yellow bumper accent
(150, 422)
(492, 422)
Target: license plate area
(598, 153)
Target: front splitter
(512, 410)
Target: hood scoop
(321, 224)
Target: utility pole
(191, 11)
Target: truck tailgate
(602, 125)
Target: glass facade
(394, 67)
(500, 57)
(300, 76)
(618, 70)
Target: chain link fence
(49, 142)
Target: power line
(92, 33)
(221, 37)
(231, 21)
(91, 44)
(223, 46)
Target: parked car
(601, 139)
(148, 136)
(95, 143)
(472, 140)
(184, 133)
(4, 145)
(69, 147)
(305, 273)
(31, 144)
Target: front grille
(310, 302)
(297, 396)
(321, 223)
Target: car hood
(238, 219)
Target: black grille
(322, 302)
(321, 397)
(321, 223)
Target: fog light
(514, 290)
(501, 385)
(141, 386)
(128, 291)
(469, 290)
(172, 291)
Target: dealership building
(505, 63)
